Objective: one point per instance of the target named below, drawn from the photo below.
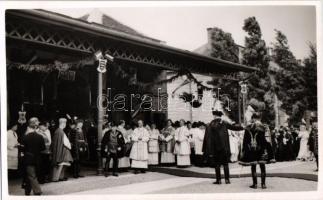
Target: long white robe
(198, 137)
(182, 146)
(191, 138)
(139, 150)
(153, 147)
(167, 154)
(234, 145)
(12, 150)
(304, 152)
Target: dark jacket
(255, 147)
(33, 145)
(105, 144)
(313, 141)
(285, 149)
(78, 143)
(216, 144)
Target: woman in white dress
(198, 138)
(12, 148)
(234, 145)
(304, 152)
(153, 146)
(182, 146)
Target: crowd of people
(45, 151)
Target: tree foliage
(260, 86)
(310, 75)
(290, 79)
(224, 47)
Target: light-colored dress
(48, 140)
(139, 150)
(12, 150)
(68, 156)
(192, 132)
(198, 138)
(304, 152)
(182, 146)
(167, 145)
(153, 147)
(234, 145)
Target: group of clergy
(176, 144)
(146, 145)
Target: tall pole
(191, 107)
(276, 112)
(239, 104)
(101, 69)
(244, 108)
(100, 124)
(244, 92)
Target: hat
(217, 113)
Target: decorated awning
(59, 31)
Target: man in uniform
(216, 145)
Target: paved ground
(279, 167)
(161, 183)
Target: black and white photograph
(161, 100)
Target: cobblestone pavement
(159, 183)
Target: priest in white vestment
(182, 146)
(139, 150)
(167, 144)
(153, 146)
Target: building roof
(96, 16)
(149, 44)
(203, 50)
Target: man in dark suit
(313, 142)
(216, 145)
(113, 145)
(33, 144)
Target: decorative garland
(48, 68)
(60, 66)
(191, 77)
(189, 97)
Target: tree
(255, 54)
(290, 79)
(224, 47)
(310, 76)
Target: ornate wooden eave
(60, 31)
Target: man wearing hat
(33, 144)
(216, 145)
(61, 152)
(32, 125)
(256, 150)
(30, 128)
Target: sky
(185, 27)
